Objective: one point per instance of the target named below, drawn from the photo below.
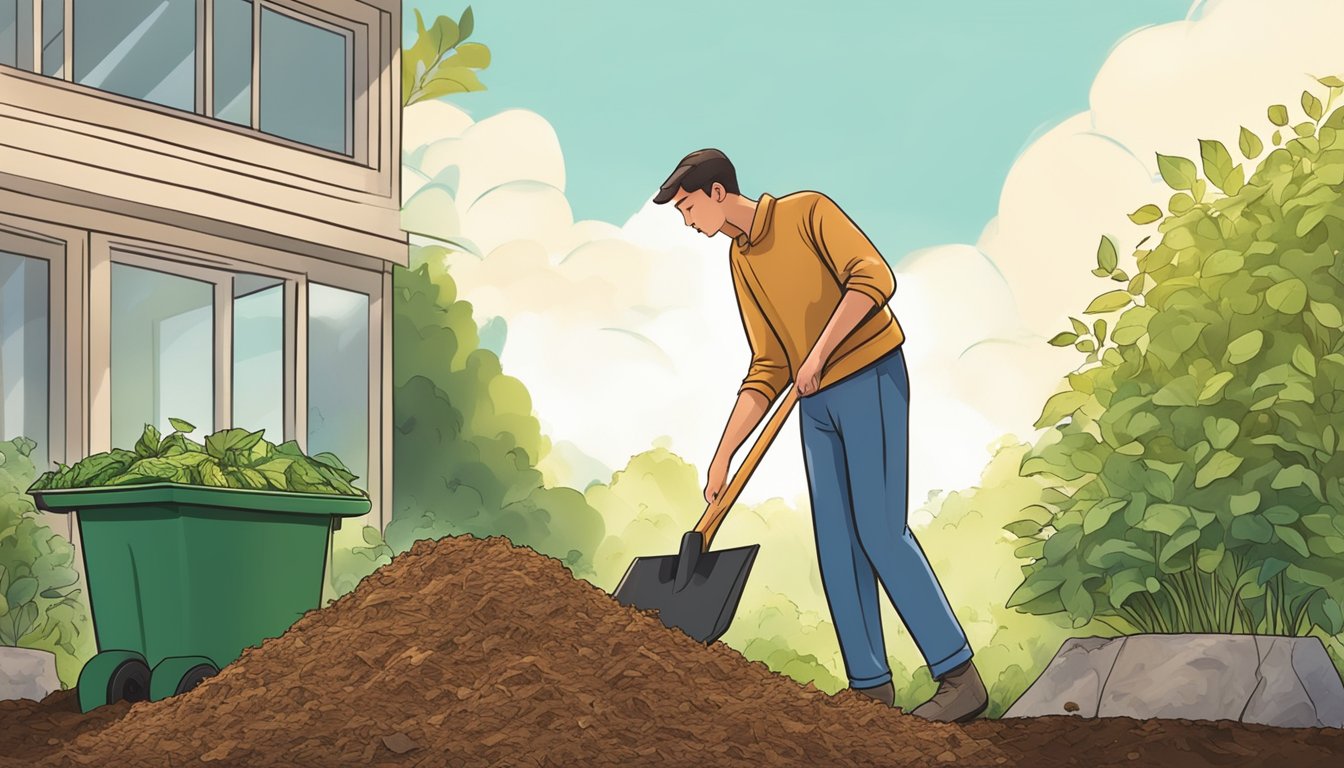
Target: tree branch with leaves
(441, 61)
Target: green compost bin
(182, 578)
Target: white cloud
(627, 333)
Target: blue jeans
(856, 448)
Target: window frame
(360, 25)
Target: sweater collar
(760, 223)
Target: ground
(475, 652)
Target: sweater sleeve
(769, 369)
(851, 256)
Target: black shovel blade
(703, 608)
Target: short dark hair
(699, 170)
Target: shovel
(696, 590)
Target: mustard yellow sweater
(789, 272)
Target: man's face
(701, 212)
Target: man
(812, 291)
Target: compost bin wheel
(194, 676)
(130, 682)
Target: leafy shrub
(465, 441)
(1196, 482)
(41, 603)
(229, 458)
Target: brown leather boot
(961, 696)
(884, 693)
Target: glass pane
(233, 61)
(145, 49)
(53, 38)
(338, 376)
(163, 362)
(24, 358)
(259, 355)
(305, 82)
(16, 33)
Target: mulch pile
(475, 652)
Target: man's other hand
(717, 480)
(809, 375)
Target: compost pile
(475, 652)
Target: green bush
(41, 603)
(1196, 482)
(230, 458)
(465, 441)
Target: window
(338, 376)
(162, 356)
(16, 33)
(24, 358)
(305, 82)
(268, 66)
(259, 355)
(145, 49)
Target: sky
(909, 114)
(985, 156)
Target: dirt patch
(474, 652)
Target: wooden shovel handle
(715, 512)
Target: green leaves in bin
(229, 458)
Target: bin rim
(64, 500)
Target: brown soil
(474, 652)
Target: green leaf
(1214, 385)
(1060, 405)
(1327, 314)
(447, 81)
(1178, 391)
(1330, 81)
(467, 23)
(1108, 302)
(1281, 514)
(1250, 144)
(1303, 360)
(1032, 588)
(1288, 297)
(1271, 567)
(1245, 347)
(1106, 255)
(1223, 262)
(1293, 539)
(1296, 475)
(1221, 464)
(1064, 339)
(1146, 214)
(148, 444)
(1178, 172)
(1244, 503)
(467, 55)
(1221, 432)
(1305, 130)
(182, 426)
(1278, 115)
(1165, 518)
(1217, 162)
(1099, 330)
(1311, 105)
(1100, 514)
(21, 591)
(1178, 543)
(1251, 528)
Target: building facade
(199, 215)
